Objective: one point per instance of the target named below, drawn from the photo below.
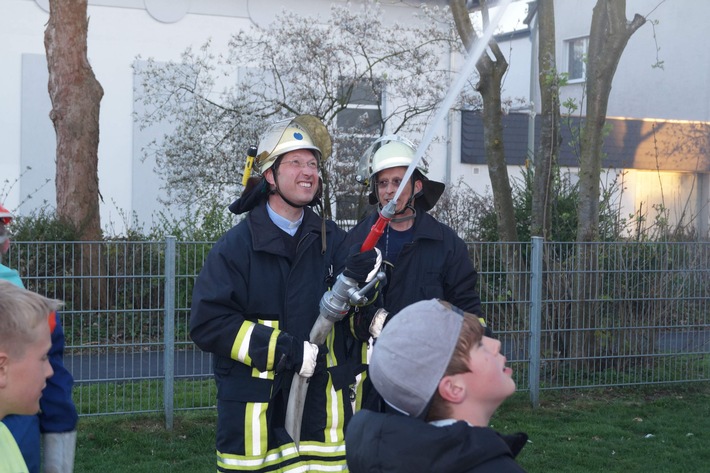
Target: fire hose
(335, 303)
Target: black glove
(359, 264)
(362, 318)
(293, 358)
(320, 360)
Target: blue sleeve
(58, 412)
(10, 275)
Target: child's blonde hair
(21, 311)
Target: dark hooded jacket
(393, 443)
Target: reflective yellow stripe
(240, 349)
(360, 378)
(357, 403)
(324, 449)
(270, 361)
(255, 430)
(324, 457)
(335, 417)
(252, 463)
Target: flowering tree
(358, 73)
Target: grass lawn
(644, 429)
(626, 430)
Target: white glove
(378, 321)
(310, 357)
(59, 451)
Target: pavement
(193, 363)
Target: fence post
(169, 332)
(535, 317)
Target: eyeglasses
(297, 163)
(384, 184)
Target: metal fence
(568, 316)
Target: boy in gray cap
(433, 364)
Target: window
(358, 124)
(577, 59)
(362, 113)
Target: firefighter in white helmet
(422, 257)
(54, 427)
(255, 302)
(392, 154)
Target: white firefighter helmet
(301, 132)
(392, 151)
(387, 152)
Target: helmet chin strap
(408, 206)
(283, 197)
(278, 191)
(408, 217)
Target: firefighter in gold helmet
(255, 302)
(53, 429)
(423, 258)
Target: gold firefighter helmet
(301, 132)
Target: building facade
(658, 147)
(657, 151)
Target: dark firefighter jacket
(253, 306)
(395, 443)
(435, 265)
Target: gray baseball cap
(412, 353)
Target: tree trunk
(76, 95)
(490, 78)
(545, 166)
(608, 36)
(550, 137)
(491, 74)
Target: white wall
(678, 91)
(116, 36)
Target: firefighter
(53, 429)
(422, 257)
(255, 302)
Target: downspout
(449, 130)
